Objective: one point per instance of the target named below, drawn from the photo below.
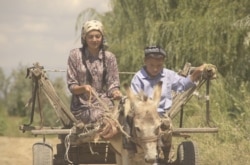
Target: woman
(92, 71)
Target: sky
(40, 31)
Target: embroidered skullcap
(155, 51)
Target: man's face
(154, 65)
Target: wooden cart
(70, 151)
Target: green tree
(19, 103)
(3, 85)
(190, 31)
(18, 92)
(195, 31)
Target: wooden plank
(52, 131)
(195, 130)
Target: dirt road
(18, 151)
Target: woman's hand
(116, 95)
(83, 89)
(87, 89)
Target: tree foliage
(194, 31)
(15, 101)
(19, 92)
(190, 31)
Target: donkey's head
(146, 121)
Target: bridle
(142, 140)
(147, 139)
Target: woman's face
(94, 39)
(154, 66)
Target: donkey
(145, 129)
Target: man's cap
(155, 50)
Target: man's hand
(205, 71)
(209, 71)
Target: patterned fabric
(81, 107)
(89, 26)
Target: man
(152, 73)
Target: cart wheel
(42, 154)
(187, 153)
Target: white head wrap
(89, 26)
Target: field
(18, 150)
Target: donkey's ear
(145, 98)
(157, 91)
(126, 86)
(129, 93)
(127, 89)
(160, 83)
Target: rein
(109, 116)
(146, 139)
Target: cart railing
(71, 125)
